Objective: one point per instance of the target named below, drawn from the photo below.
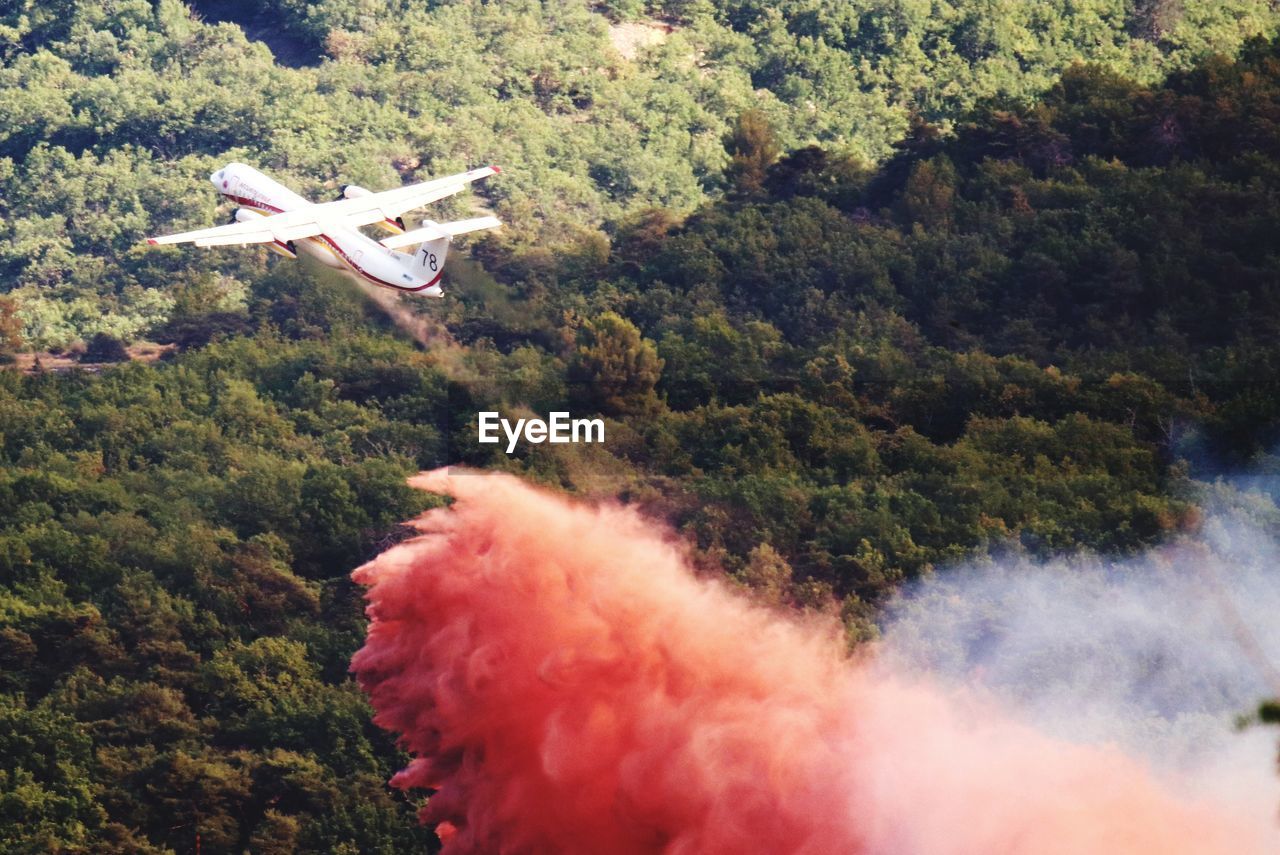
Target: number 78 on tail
(272, 214)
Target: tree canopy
(859, 289)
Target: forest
(861, 289)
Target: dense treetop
(111, 115)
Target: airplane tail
(433, 241)
(430, 255)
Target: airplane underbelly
(361, 262)
(322, 253)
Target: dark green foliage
(104, 347)
(112, 115)
(1008, 335)
(853, 298)
(752, 147)
(167, 539)
(614, 370)
(188, 331)
(48, 793)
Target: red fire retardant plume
(566, 685)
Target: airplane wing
(392, 203)
(315, 219)
(235, 233)
(435, 231)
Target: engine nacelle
(395, 225)
(285, 248)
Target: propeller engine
(287, 248)
(353, 191)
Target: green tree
(10, 328)
(753, 147)
(615, 370)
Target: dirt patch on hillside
(629, 38)
(32, 363)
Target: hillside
(859, 292)
(111, 116)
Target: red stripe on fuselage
(347, 260)
(333, 245)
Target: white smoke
(1160, 654)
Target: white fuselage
(339, 246)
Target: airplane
(273, 214)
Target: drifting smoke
(425, 330)
(410, 315)
(1159, 654)
(566, 685)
